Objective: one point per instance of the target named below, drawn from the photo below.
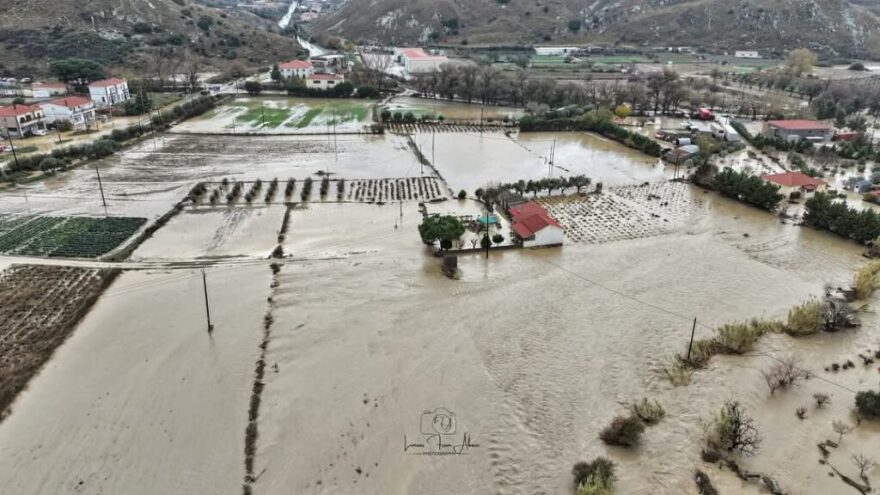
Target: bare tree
(821, 399)
(733, 431)
(841, 429)
(863, 464)
(192, 65)
(784, 373)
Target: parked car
(5, 148)
(39, 132)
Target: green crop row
(81, 237)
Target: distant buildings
(77, 110)
(296, 68)
(790, 182)
(416, 61)
(555, 51)
(797, 130)
(109, 92)
(19, 121)
(48, 90)
(534, 226)
(324, 81)
(746, 54)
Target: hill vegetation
(132, 33)
(829, 27)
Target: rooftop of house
(798, 125)
(794, 179)
(71, 101)
(103, 83)
(530, 218)
(15, 110)
(296, 64)
(419, 54)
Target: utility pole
(14, 155)
(433, 159)
(262, 115)
(481, 117)
(552, 156)
(207, 306)
(694, 329)
(488, 240)
(100, 186)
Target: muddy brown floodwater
(532, 351)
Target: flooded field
(469, 161)
(283, 116)
(451, 110)
(326, 369)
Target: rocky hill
(831, 27)
(128, 33)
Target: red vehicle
(705, 114)
(845, 136)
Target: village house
(416, 61)
(555, 51)
(109, 92)
(19, 121)
(48, 90)
(77, 110)
(534, 227)
(795, 182)
(324, 81)
(296, 68)
(797, 130)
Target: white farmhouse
(416, 61)
(555, 51)
(746, 54)
(109, 92)
(77, 110)
(324, 81)
(534, 226)
(296, 68)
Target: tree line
(822, 212)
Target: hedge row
(823, 212)
(602, 127)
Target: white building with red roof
(795, 181)
(77, 110)
(416, 60)
(324, 81)
(48, 89)
(109, 92)
(19, 121)
(534, 226)
(797, 130)
(296, 68)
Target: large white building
(109, 92)
(746, 54)
(555, 51)
(77, 110)
(416, 61)
(296, 68)
(48, 90)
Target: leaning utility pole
(694, 329)
(12, 146)
(100, 186)
(207, 306)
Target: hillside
(127, 33)
(831, 27)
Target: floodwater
(468, 161)
(140, 399)
(532, 351)
(453, 110)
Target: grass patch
(867, 280)
(308, 117)
(805, 319)
(650, 412)
(265, 116)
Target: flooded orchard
(337, 337)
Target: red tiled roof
(71, 101)
(50, 85)
(113, 81)
(16, 110)
(296, 64)
(530, 218)
(794, 179)
(419, 54)
(326, 77)
(798, 125)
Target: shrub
(462, 194)
(737, 338)
(650, 412)
(624, 431)
(64, 125)
(594, 478)
(733, 431)
(784, 373)
(805, 319)
(867, 280)
(868, 404)
(677, 371)
(497, 238)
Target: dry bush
(701, 352)
(867, 280)
(841, 429)
(650, 412)
(821, 399)
(783, 374)
(594, 478)
(733, 431)
(737, 338)
(805, 319)
(677, 371)
(624, 431)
